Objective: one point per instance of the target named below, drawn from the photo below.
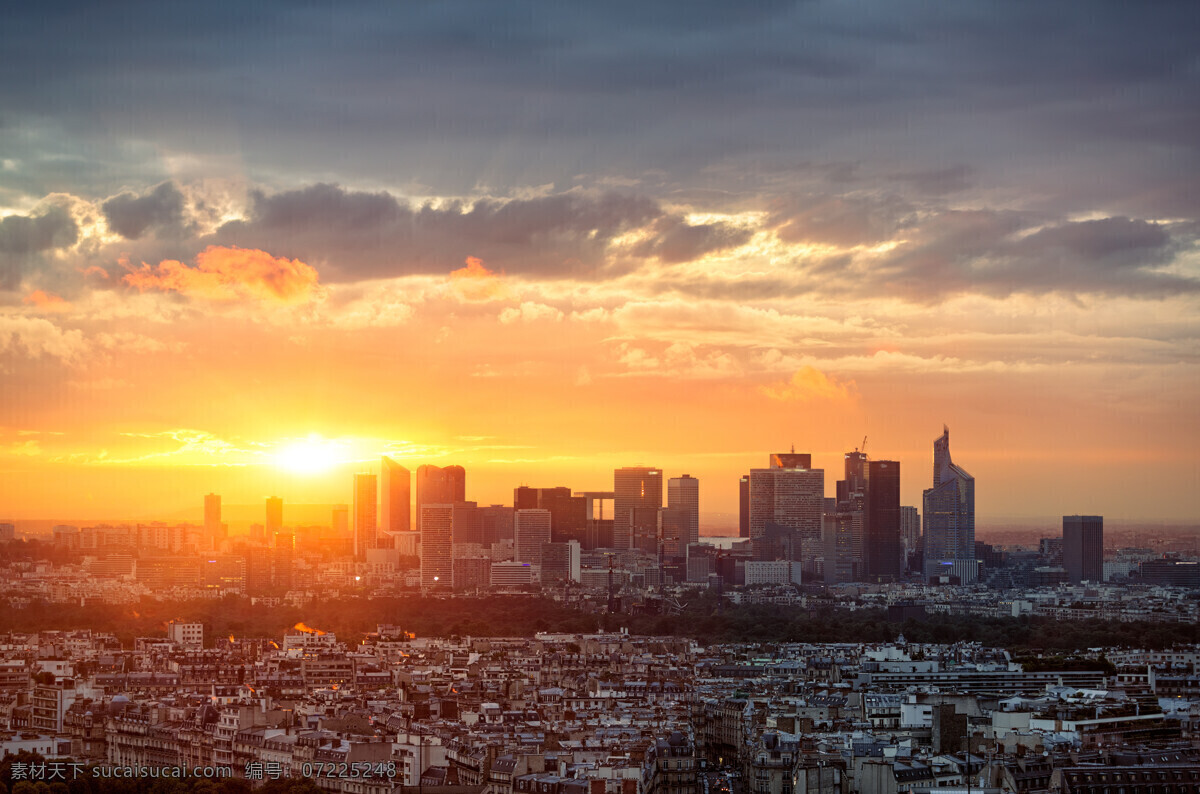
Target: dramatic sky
(249, 247)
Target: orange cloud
(810, 383)
(476, 283)
(45, 300)
(229, 274)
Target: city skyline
(547, 243)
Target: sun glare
(312, 455)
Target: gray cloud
(357, 235)
(675, 240)
(131, 216)
(24, 237)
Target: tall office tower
(212, 521)
(683, 493)
(395, 497)
(365, 514)
(949, 508)
(790, 460)
(468, 524)
(495, 524)
(284, 559)
(568, 513)
(856, 472)
(599, 531)
(560, 562)
(437, 546)
(633, 487)
(843, 542)
(882, 542)
(645, 530)
(673, 523)
(744, 506)
(910, 531)
(789, 497)
(341, 521)
(531, 528)
(440, 486)
(274, 516)
(1083, 548)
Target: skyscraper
(437, 546)
(683, 493)
(442, 486)
(274, 516)
(882, 541)
(212, 521)
(633, 487)
(531, 529)
(949, 508)
(788, 497)
(1083, 548)
(341, 521)
(744, 506)
(365, 514)
(395, 497)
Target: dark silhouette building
(1083, 548)
(882, 546)
(440, 486)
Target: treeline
(516, 616)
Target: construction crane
(864, 446)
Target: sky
(248, 248)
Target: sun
(312, 455)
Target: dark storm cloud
(131, 216)
(357, 235)
(1096, 105)
(675, 240)
(1002, 253)
(24, 237)
(844, 221)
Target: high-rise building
(843, 542)
(673, 524)
(560, 562)
(683, 493)
(910, 531)
(440, 486)
(341, 521)
(365, 514)
(1083, 548)
(949, 508)
(274, 521)
(395, 496)
(790, 460)
(882, 547)
(789, 497)
(568, 512)
(212, 521)
(598, 533)
(440, 524)
(634, 487)
(531, 529)
(744, 506)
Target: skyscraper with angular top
(949, 508)
(395, 504)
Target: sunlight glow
(312, 455)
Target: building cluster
(599, 714)
(640, 541)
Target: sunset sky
(249, 248)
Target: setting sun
(312, 455)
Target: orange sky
(546, 241)
(186, 379)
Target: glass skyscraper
(950, 517)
